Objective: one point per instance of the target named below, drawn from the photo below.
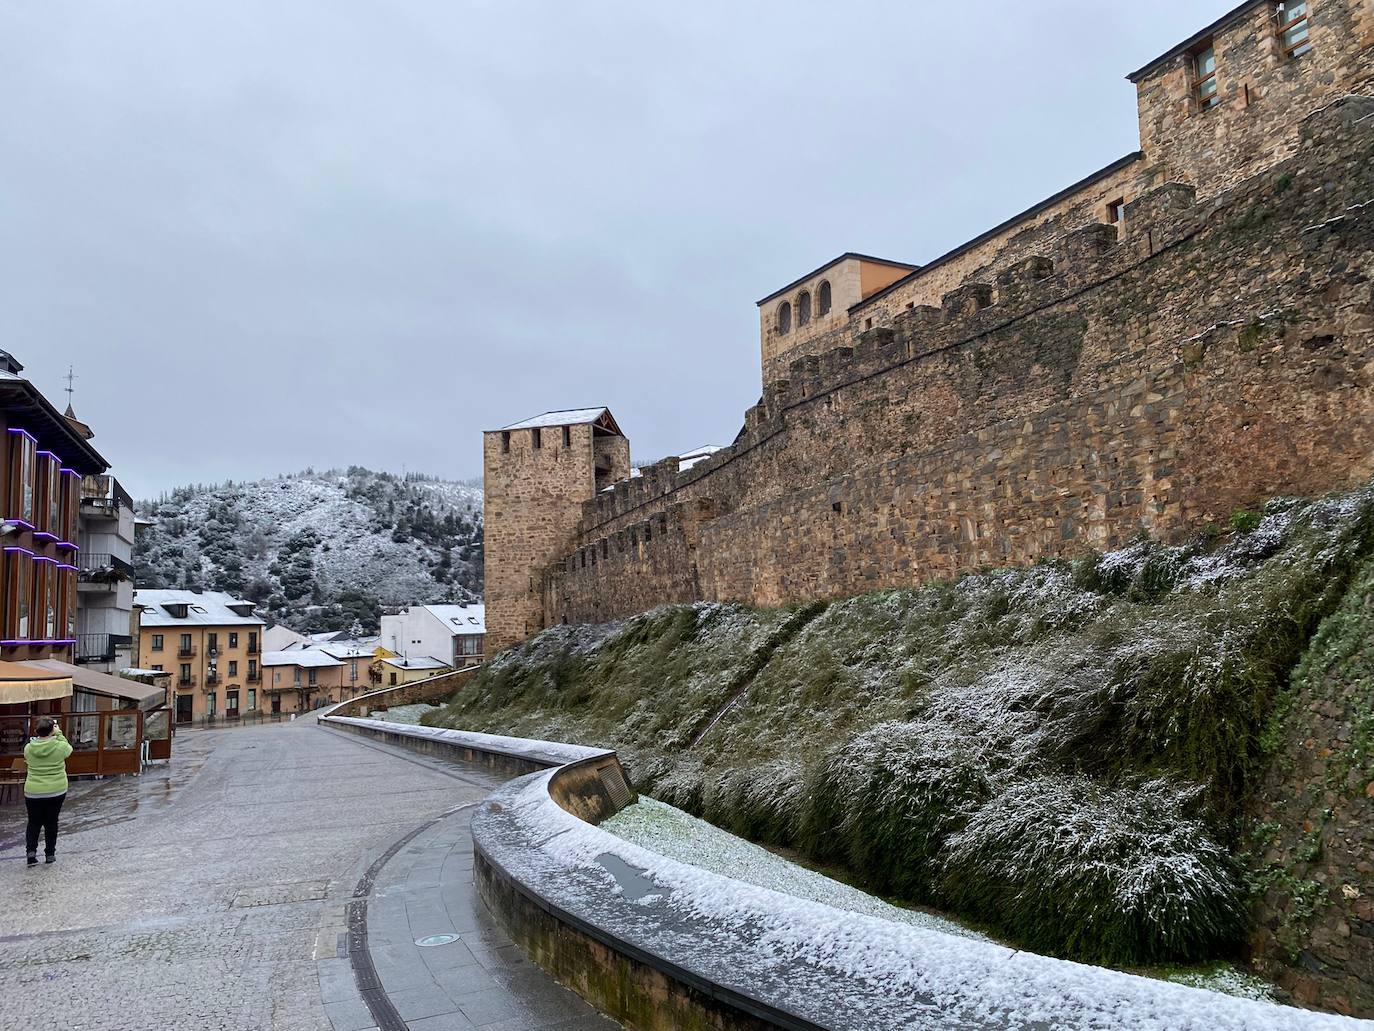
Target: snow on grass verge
(670, 832)
(410, 714)
(844, 969)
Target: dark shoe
(49, 857)
(31, 859)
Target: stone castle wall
(1263, 96)
(1260, 89)
(1211, 356)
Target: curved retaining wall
(662, 945)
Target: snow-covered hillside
(318, 550)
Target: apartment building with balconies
(105, 576)
(211, 643)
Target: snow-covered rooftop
(204, 608)
(571, 417)
(305, 657)
(349, 649)
(460, 619)
(416, 662)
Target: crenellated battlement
(969, 315)
(1148, 350)
(1085, 328)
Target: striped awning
(21, 684)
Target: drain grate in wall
(613, 780)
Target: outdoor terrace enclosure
(1185, 333)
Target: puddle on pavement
(630, 878)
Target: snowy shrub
(884, 803)
(769, 801)
(1116, 875)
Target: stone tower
(537, 474)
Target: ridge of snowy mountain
(318, 550)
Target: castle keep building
(1184, 333)
(537, 476)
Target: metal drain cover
(431, 940)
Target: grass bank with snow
(1060, 752)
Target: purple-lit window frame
(24, 433)
(72, 472)
(24, 551)
(40, 478)
(44, 558)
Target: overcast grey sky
(322, 232)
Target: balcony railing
(185, 651)
(101, 647)
(255, 676)
(103, 495)
(254, 648)
(186, 681)
(104, 569)
(211, 679)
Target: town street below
(212, 894)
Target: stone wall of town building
(1207, 357)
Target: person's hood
(45, 747)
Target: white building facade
(453, 634)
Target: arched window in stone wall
(785, 318)
(823, 298)
(803, 308)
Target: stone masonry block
(1337, 117)
(968, 299)
(1017, 281)
(1159, 204)
(1089, 243)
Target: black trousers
(42, 814)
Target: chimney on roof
(9, 363)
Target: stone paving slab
(211, 893)
(481, 980)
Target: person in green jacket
(45, 787)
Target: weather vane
(71, 378)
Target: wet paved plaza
(212, 894)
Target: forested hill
(318, 550)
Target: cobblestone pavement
(210, 894)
